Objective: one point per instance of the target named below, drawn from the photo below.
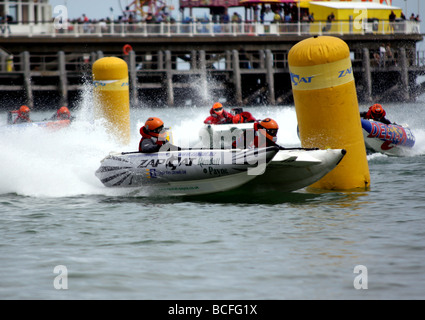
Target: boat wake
(419, 148)
(41, 163)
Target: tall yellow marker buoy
(111, 95)
(327, 109)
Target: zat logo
(345, 72)
(297, 79)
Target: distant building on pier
(217, 7)
(26, 11)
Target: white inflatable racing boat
(184, 172)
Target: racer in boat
(265, 135)
(240, 116)
(243, 117)
(376, 113)
(23, 115)
(62, 114)
(218, 115)
(154, 137)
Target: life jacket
(265, 142)
(243, 117)
(255, 143)
(146, 135)
(214, 118)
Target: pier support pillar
(270, 77)
(25, 58)
(63, 82)
(133, 78)
(367, 76)
(193, 60)
(228, 60)
(404, 75)
(169, 79)
(204, 83)
(3, 64)
(160, 64)
(237, 77)
(262, 59)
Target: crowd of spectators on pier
(270, 13)
(275, 13)
(286, 12)
(279, 13)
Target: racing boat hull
(392, 139)
(291, 169)
(184, 172)
(294, 169)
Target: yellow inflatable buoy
(111, 95)
(327, 109)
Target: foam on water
(43, 163)
(38, 162)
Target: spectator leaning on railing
(277, 18)
(4, 23)
(329, 20)
(391, 19)
(236, 18)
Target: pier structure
(244, 73)
(187, 63)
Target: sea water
(63, 235)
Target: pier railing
(199, 28)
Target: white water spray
(41, 163)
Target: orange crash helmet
(63, 113)
(377, 111)
(154, 126)
(24, 110)
(271, 127)
(218, 108)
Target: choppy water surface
(301, 245)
